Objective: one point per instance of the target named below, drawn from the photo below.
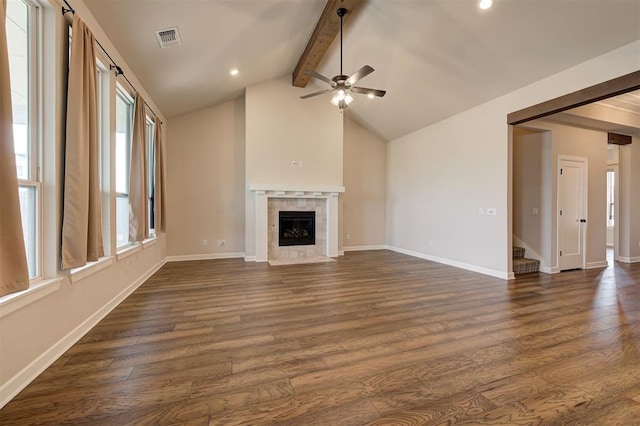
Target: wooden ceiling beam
(326, 30)
(617, 86)
(618, 139)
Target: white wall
(35, 334)
(205, 182)
(365, 180)
(440, 175)
(281, 128)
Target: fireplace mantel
(289, 191)
(262, 193)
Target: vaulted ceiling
(435, 58)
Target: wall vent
(168, 37)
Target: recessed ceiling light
(234, 71)
(485, 4)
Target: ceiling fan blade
(361, 73)
(318, 76)
(366, 91)
(311, 95)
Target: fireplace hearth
(297, 228)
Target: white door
(572, 202)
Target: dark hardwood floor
(373, 338)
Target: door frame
(585, 206)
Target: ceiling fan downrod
(341, 12)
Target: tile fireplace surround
(269, 200)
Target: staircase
(522, 265)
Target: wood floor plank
(376, 337)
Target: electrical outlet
(293, 163)
(534, 211)
(481, 211)
(491, 212)
(205, 242)
(348, 236)
(221, 242)
(300, 163)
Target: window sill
(149, 242)
(127, 251)
(14, 301)
(84, 271)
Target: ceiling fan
(343, 84)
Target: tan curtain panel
(159, 210)
(82, 220)
(14, 272)
(139, 209)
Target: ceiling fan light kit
(343, 84)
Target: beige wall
(531, 166)
(630, 202)
(34, 334)
(282, 128)
(364, 200)
(439, 176)
(205, 181)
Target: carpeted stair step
(518, 252)
(522, 265)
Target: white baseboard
(598, 264)
(249, 258)
(18, 382)
(363, 248)
(628, 259)
(207, 256)
(549, 269)
(455, 263)
(340, 253)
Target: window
(124, 118)
(150, 172)
(104, 144)
(611, 190)
(21, 23)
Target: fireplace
(262, 223)
(297, 228)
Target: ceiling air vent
(168, 37)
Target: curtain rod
(113, 65)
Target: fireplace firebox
(297, 228)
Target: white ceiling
(435, 58)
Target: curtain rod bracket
(67, 9)
(117, 68)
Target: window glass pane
(611, 190)
(150, 170)
(122, 220)
(17, 23)
(29, 228)
(124, 109)
(123, 140)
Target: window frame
(34, 124)
(125, 95)
(150, 162)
